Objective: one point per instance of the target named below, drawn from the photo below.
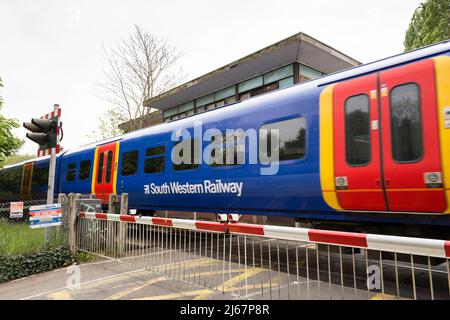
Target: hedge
(23, 265)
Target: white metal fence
(269, 262)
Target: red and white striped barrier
(416, 246)
(176, 223)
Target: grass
(18, 238)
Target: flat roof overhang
(297, 48)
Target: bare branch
(137, 68)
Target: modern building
(293, 60)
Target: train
(369, 145)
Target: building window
(271, 87)
(291, 138)
(220, 103)
(71, 171)
(279, 74)
(193, 144)
(307, 73)
(155, 160)
(285, 83)
(250, 84)
(85, 170)
(186, 107)
(244, 96)
(225, 93)
(129, 163)
(205, 100)
(170, 112)
(357, 130)
(406, 123)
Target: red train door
(105, 171)
(357, 166)
(25, 186)
(411, 152)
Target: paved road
(110, 280)
(114, 280)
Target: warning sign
(16, 210)
(45, 216)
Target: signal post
(46, 132)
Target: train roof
(352, 72)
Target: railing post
(63, 201)
(72, 221)
(112, 203)
(122, 225)
(124, 203)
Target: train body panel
(314, 178)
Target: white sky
(46, 57)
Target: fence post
(72, 221)
(124, 203)
(62, 200)
(112, 203)
(122, 225)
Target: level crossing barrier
(272, 262)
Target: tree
(136, 69)
(17, 158)
(429, 24)
(9, 143)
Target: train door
(386, 138)
(411, 149)
(25, 186)
(105, 171)
(357, 165)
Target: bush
(23, 265)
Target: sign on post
(45, 216)
(16, 210)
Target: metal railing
(268, 262)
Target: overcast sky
(50, 50)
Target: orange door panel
(357, 166)
(25, 187)
(105, 171)
(411, 152)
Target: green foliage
(17, 158)
(18, 238)
(14, 267)
(429, 24)
(9, 143)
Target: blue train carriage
(27, 180)
(374, 141)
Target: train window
(100, 168)
(40, 176)
(71, 171)
(109, 160)
(129, 163)
(292, 139)
(406, 123)
(357, 130)
(192, 163)
(155, 160)
(232, 147)
(15, 177)
(85, 170)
